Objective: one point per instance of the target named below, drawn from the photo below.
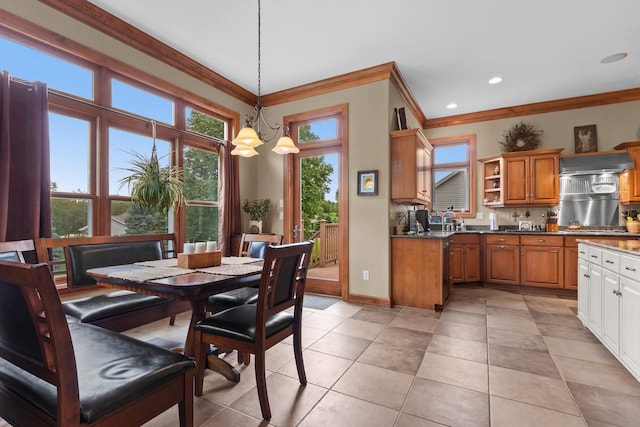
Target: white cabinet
(595, 299)
(609, 301)
(611, 311)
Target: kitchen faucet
(449, 226)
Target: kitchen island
(609, 296)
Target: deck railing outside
(325, 248)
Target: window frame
(101, 115)
(470, 140)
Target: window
(318, 130)
(91, 146)
(453, 174)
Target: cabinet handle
(541, 240)
(582, 252)
(630, 269)
(608, 261)
(594, 256)
(502, 247)
(500, 240)
(587, 276)
(616, 292)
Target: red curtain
(229, 198)
(25, 203)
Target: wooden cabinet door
(571, 268)
(503, 264)
(635, 175)
(516, 180)
(542, 266)
(427, 179)
(410, 167)
(472, 263)
(456, 263)
(543, 179)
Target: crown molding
(388, 71)
(91, 15)
(574, 103)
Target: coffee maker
(418, 221)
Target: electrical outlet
(480, 215)
(365, 274)
(281, 203)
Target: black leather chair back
(83, 257)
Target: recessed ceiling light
(614, 58)
(452, 105)
(495, 80)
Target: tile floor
(492, 358)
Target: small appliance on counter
(418, 221)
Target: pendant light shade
(244, 151)
(285, 145)
(247, 137)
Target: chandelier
(249, 137)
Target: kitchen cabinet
(411, 161)
(542, 263)
(492, 176)
(630, 179)
(464, 258)
(502, 259)
(420, 275)
(532, 179)
(608, 304)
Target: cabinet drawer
(630, 267)
(611, 261)
(583, 251)
(542, 240)
(595, 255)
(502, 239)
(464, 238)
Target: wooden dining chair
(55, 373)
(254, 246)
(14, 250)
(254, 328)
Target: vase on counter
(633, 226)
(255, 227)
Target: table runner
(149, 273)
(231, 270)
(235, 260)
(168, 262)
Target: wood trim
(341, 110)
(369, 300)
(388, 71)
(18, 29)
(595, 100)
(99, 19)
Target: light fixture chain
(259, 54)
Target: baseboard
(369, 300)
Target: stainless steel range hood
(597, 163)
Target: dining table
(165, 279)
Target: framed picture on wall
(586, 139)
(368, 183)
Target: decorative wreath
(521, 137)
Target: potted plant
(257, 210)
(630, 220)
(154, 187)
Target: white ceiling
(446, 49)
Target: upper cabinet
(522, 178)
(411, 160)
(630, 179)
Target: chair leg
(261, 383)
(172, 320)
(201, 362)
(297, 351)
(185, 406)
(244, 358)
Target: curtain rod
(133, 116)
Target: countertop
(437, 234)
(625, 246)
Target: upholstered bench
(118, 310)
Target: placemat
(231, 270)
(169, 262)
(236, 260)
(144, 274)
